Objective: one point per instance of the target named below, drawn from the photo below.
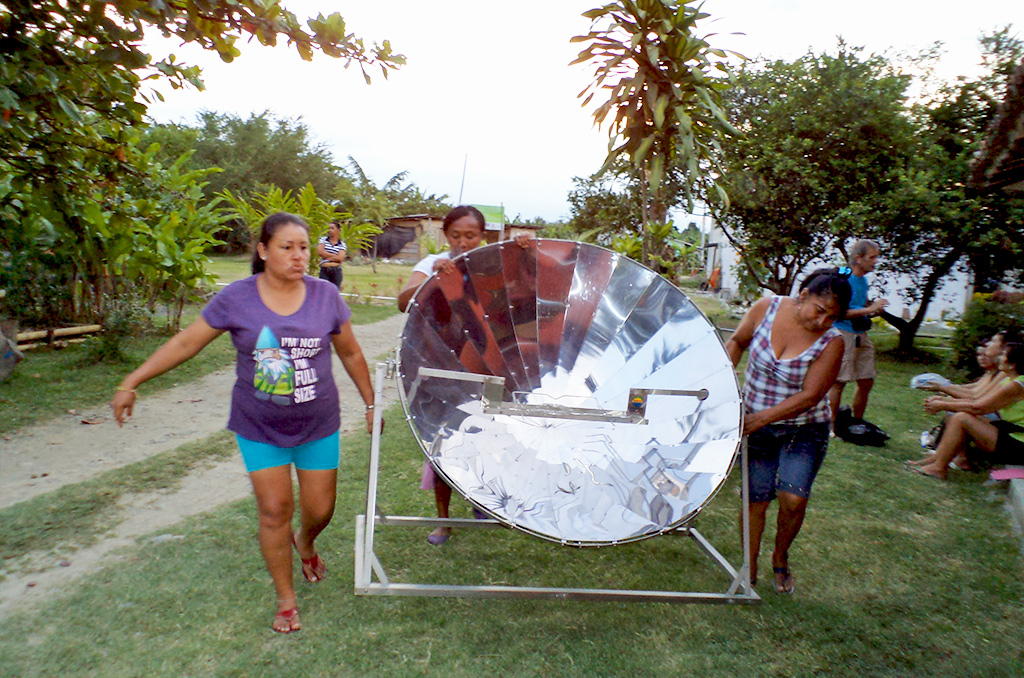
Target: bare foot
(287, 618)
(931, 472)
(961, 462)
(923, 461)
(783, 580)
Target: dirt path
(42, 458)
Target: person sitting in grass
(999, 442)
(988, 360)
(795, 356)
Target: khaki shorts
(858, 358)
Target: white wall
(949, 301)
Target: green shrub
(983, 317)
(37, 288)
(126, 316)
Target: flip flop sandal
(313, 569)
(317, 569)
(786, 574)
(285, 616)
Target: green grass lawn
(360, 278)
(897, 575)
(388, 281)
(228, 268)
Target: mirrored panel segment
(562, 453)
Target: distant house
(513, 230)
(402, 237)
(950, 299)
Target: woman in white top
(464, 230)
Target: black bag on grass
(858, 431)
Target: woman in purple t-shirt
(284, 405)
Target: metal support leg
(745, 517)
(364, 546)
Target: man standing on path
(859, 354)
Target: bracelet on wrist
(128, 390)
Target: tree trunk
(909, 331)
(645, 232)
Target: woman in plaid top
(795, 356)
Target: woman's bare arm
(1007, 393)
(405, 296)
(352, 359)
(741, 337)
(175, 351)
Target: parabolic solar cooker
(570, 393)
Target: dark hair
(272, 225)
(829, 282)
(464, 211)
(1014, 354)
(1010, 335)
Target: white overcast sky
(488, 83)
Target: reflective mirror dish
(535, 382)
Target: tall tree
(819, 134)
(253, 154)
(664, 85)
(72, 73)
(931, 223)
(72, 178)
(355, 192)
(369, 204)
(604, 206)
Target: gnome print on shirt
(275, 373)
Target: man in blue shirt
(859, 356)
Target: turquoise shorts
(318, 455)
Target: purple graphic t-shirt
(284, 393)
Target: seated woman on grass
(988, 360)
(1000, 442)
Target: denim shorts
(317, 455)
(785, 459)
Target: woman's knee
(274, 512)
(319, 511)
(791, 502)
(960, 418)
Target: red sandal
(313, 569)
(286, 617)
